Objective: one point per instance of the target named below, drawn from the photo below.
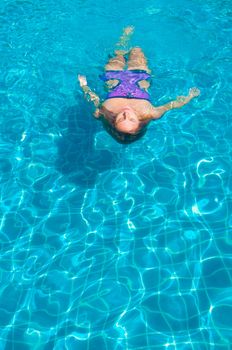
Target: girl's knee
(136, 50)
(115, 63)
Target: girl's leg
(137, 60)
(124, 40)
(118, 61)
(115, 63)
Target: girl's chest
(111, 107)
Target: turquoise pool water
(106, 246)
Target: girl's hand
(194, 92)
(181, 98)
(82, 80)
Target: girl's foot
(123, 41)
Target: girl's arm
(89, 94)
(158, 112)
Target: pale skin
(130, 114)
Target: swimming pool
(106, 246)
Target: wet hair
(122, 137)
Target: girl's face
(127, 121)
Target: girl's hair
(123, 137)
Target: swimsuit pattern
(127, 86)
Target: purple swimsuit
(128, 84)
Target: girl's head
(127, 121)
(125, 127)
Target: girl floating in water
(127, 109)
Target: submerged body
(127, 108)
